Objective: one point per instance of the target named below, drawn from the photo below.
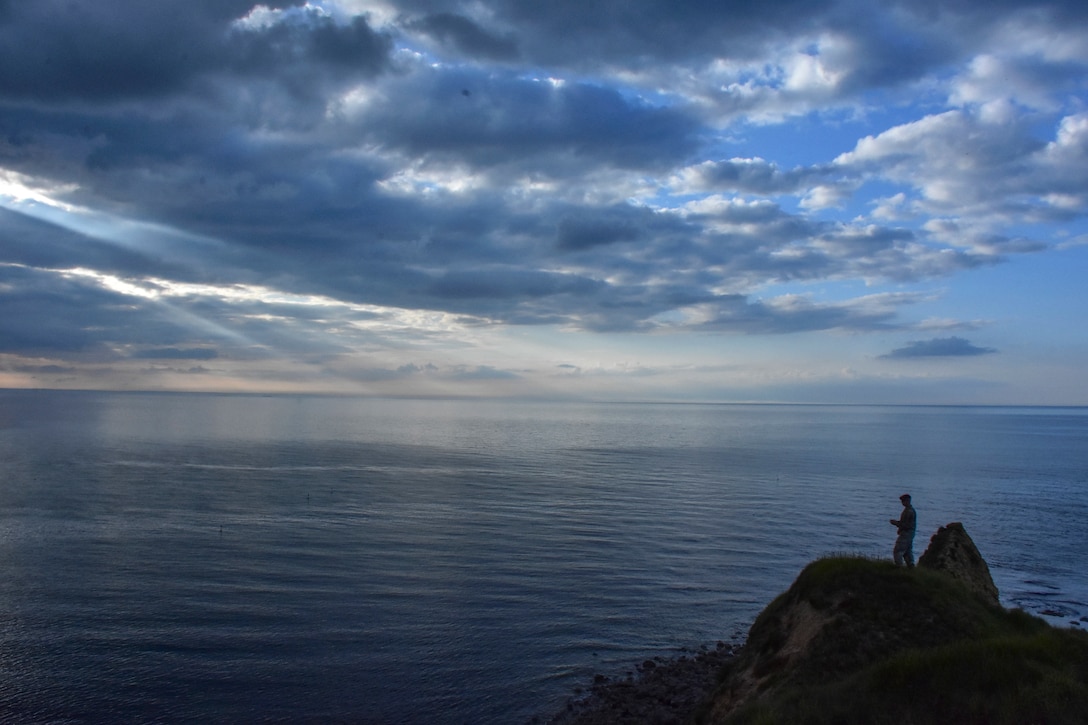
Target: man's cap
(905, 496)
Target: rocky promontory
(859, 640)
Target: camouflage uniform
(904, 543)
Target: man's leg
(897, 551)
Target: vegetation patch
(900, 646)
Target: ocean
(230, 558)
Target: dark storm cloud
(938, 347)
(308, 38)
(513, 120)
(878, 46)
(585, 228)
(581, 34)
(60, 50)
(199, 171)
(462, 35)
(54, 50)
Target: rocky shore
(661, 691)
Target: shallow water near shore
(243, 558)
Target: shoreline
(660, 690)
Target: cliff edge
(858, 640)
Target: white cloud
(820, 69)
(991, 81)
(981, 171)
(16, 188)
(824, 196)
(890, 208)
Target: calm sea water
(187, 558)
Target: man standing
(904, 543)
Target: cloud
(307, 39)
(938, 347)
(749, 176)
(591, 228)
(509, 119)
(481, 372)
(963, 164)
(124, 49)
(176, 353)
(42, 369)
(57, 314)
(318, 184)
(509, 285)
(463, 36)
(790, 314)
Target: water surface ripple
(189, 558)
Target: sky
(833, 201)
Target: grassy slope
(909, 646)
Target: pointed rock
(952, 551)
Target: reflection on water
(239, 558)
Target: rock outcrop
(952, 551)
(843, 615)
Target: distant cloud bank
(938, 347)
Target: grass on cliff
(1001, 681)
(913, 646)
